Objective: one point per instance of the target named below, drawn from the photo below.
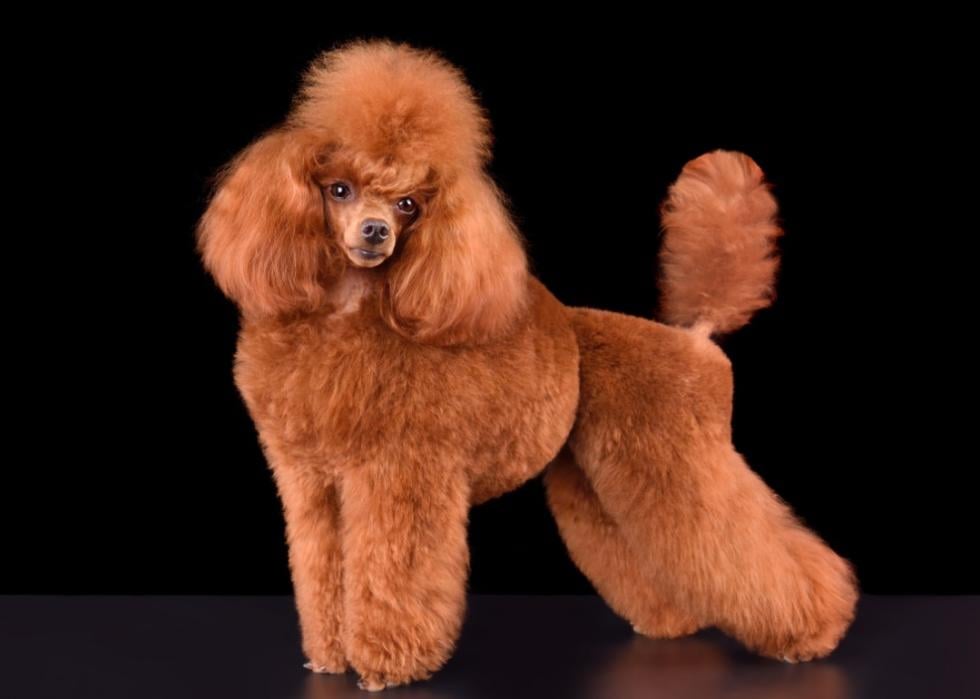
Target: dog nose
(374, 230)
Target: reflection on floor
(511, 647)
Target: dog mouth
(367, 254)
(366, 257)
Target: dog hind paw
(666, 623)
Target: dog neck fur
(350, 291)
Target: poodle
(402, 364)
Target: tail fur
(719, 257)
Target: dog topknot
(395, 103)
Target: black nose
(374, 230)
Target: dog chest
(336, 396)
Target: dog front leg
(313, 534)
(406, 563)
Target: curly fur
(718, 257)
(390, 399)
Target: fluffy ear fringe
(263, 235)
(462, 276)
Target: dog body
(339, 391)
(402, 364)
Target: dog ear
(462, 275)
(263, 236)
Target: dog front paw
(376, 681)
(325, 658)
(393, 674)
(384, 660)
(329, 668)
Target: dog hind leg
(653, 438)
(730, 553)
(598, 548)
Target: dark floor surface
(511, 647)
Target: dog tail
(718, 259)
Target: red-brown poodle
(401, 365)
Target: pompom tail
(719, 259)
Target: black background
(132, 465)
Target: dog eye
(339, 190)
(407, 205)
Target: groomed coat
(397, 382)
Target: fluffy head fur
(399, 118)
(718, 258)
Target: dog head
(379, 166)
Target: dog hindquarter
(653, 439)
